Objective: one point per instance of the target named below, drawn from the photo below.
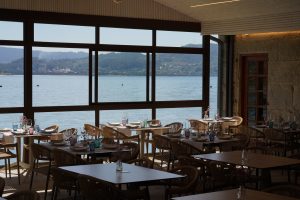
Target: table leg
(142, 143)
(19, 147)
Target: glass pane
(251, 84)
(122, 77)
(179, 77)
(116, 115)
(64, 33)
(251, 114)
(178, 39)
(8, 119)
(60, 77)
(169, 115)
(124, 36)
(260, 83)
(11, 30)
(252, 98)
(213, 91)
(252, 67)
(261, 67)
(11, 77)
(65, 119)
(260, 115)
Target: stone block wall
(283, 51)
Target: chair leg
(47, 180)
(5, 166)
(9, 168)
(32, 174)
(18, 166)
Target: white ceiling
(244, 16)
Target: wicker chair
(275, 141)
(2, 185)
(24, 195)
(162, 144)
(63, 179)
(184, 186)
(92, 188)
(53, 128)
(66, 158)
(67, 133)
(154, 123)
(126, 156)
(234, 128)
(7, 154)
(243, 141)
(175, 127)
(41, 153)
(93, 131)
(221, 175)
(144, 162)
(111, 135)
(200, 164)
(198, 125)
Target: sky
(84, 34)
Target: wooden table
(225, 123)
(198, 144)
(97, 152)
(261, 162)
(254, 160)
(26, 159)
(130, 173)
(142, 132)
(232, 195)
(287, 133)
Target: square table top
(98, 151)
(232, 194)
(130, 174)
(254, 160)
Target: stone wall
(283, 51)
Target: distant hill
(11, 62)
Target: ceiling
(229, 18)
(240, 16)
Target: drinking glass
(14, 126)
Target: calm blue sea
(63, 90)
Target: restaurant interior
(135, 114)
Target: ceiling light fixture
(215, 3)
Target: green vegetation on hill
(111, 64)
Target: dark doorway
(254, 80)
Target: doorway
(254, 79)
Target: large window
(179, 77)
(60, 77)
(125, 36)
(65, 119)
(116, 115)
(178, 39)
(64, 33)
(169, 115)
(7, 120)
(214, 70)
(122, 77)
(101, 71)
(11, 30)
(11, 76)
